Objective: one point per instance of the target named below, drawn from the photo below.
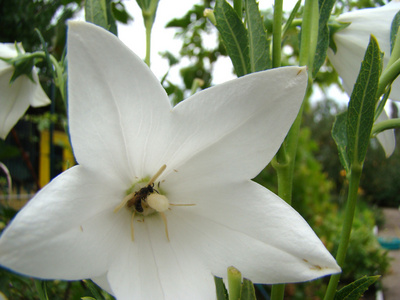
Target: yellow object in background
(62, 147)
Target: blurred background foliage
(320, 184)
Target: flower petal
(231, 131)
(247, 226)
(116, 96)
(68, 230)
(386, 138)
(39, 97)
(352, 42)
(158, 269)
(14, 99)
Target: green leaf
(354, 290)
(41, 289)
(119, 12)
(291, 17)
(325, 8)
(360, 117)
(222, 293)
(257, 37)
(96, 12)
(339, 135)
(112, 24)
(234, 36)
(248, 292)
(93, 289)
(394, 29)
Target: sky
(133, 35)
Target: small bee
(140, 196)
(138, 199)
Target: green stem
(277, 291)
(277, 34)
(354, 181)
(149, 25)
(234, 283)
(309, 34)
(57, 71)
(388, 76)
(385, 125)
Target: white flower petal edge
(15, 98)
(386, 138)
(123, 129)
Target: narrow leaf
(248, 292)
(41, 289)
(356, 289)
(291, 17)
(339, 135)
(325, 8)
(222, 293)
(257, 37)
(96, 12)
(234, 36)
(93, 289)
(360, 117)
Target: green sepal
(234, 36)
(258, 43)
(222, 293)
(248, 292)
(149, 9)
(356, 289)
(335, 26)
(325, 8)
(23, 64)
(339, 135)
(361, 110)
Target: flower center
(146, 200)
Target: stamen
(132, 230)
(154, 178)
(124, 201)
(165, 224)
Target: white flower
(16, 97)
(123, 131)
(351, 44)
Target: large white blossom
(16, 97)
(351, 44)
(123, 131)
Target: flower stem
(277, 34)
(285, 158)
(388, 76)
(385, 125)
(234, 283)
(149, 25)
(354, 181)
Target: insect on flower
(147, 201)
